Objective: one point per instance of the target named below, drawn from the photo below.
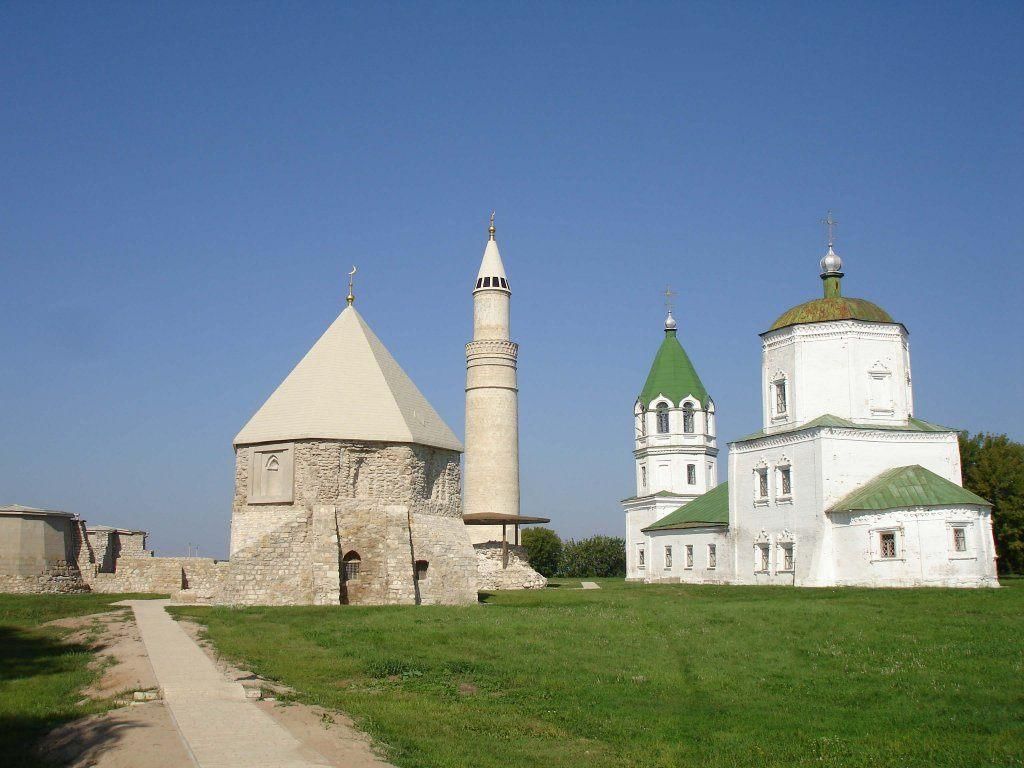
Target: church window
(763, 555)
(781, 403)
(688, 418)
(643, 477)
(270, 480)
(785, 487)
(959, 540)
(887, 545)
(689, 555)
(712, 556)
(350, 565)
(761, 479)
(787, 557)
(691, 474)
(421, 569)
(668, 557)
(640, 557)
(662, 411)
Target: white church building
(842, 485)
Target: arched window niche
(662, 418)
(688, 418)
(351, 565)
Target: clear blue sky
(185, 185)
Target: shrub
(596, 556)
(544, 548)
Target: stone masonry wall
(288, 553)
(60, 577)
(518, 575)
(161, 575)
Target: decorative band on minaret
(491, 479)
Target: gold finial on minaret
(492, 230)
(351, 296)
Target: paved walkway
(219, 725)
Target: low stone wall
(204, 576)
(492, 576)
(161, 575)
(59, 578)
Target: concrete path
(221, 728)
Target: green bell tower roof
(672, 374)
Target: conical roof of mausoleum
(672, 374)
(348, 387)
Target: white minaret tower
(491, 479)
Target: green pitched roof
(912, 486)
(710, 509)
(672, 374)
(832, 308)
(828, 420)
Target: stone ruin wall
(518, 575)
(392, 504)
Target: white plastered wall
(848, 368)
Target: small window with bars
(785, 482)
(761, 478)
(668, 557)
(641, 558)
(689, 555)
(350, 565)
(887, 545)
(712, 556)
(959, 539)
(763, 555)
(787, 557)
(691, 474)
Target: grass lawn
(40, 676)
(659, 676)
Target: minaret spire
(492, 230)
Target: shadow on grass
(39, 682)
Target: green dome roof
(672, 374)
(832, 308)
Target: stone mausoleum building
(347, 486)
(842, 485)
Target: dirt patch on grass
(120, 655)
(132, 735)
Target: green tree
(993, 468)
(544, 548)
(596, 556)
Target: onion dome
(670, 322)
(833, 306)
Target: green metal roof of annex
(672, 374)
(911, 486)
(710, 509)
